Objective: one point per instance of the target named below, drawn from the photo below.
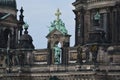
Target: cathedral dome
(8, 3)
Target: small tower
(26, 39)
(26, 46)
(58, 40)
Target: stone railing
(96, 1)
(100, 3)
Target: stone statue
(79, 56)
(87, 54)
(57, 55)
(21, 59)
(11, 59)
(16, 60)
(29, 57)
(97, 19)
(94, 50)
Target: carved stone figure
(87, 54)
(97, 19)
(79, 57)
(57, 55)
(21, 59)
(29, 57)
(16, 60)
(94, 50)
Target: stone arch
(58, 43)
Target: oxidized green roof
(8, 3)
(58, 24)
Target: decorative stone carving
(79, 57)
(94, 50)
(97, 19)
(57, 55)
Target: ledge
(101, 4)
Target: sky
(39, 13)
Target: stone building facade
(88, 11)
(95, 56)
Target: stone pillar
(110, 17)
(49, 57)
(118, 24)
(79, 55)
(81, 26)
(77, 20)
(87, 25)
(108, 31)
(115, 26)
(65, 56)
(79, 29)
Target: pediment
(54, 32)
(9, 17)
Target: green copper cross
(58, 13)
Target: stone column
(65, 56)
(77, 18)
(111, 24)
(118, 24)
(108, 31)
(115, 26)
(79, 55)
(87, 25)
(49, 61)
(81, 26)
(79, 29)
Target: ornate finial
(21, 10)
(21, 17)
(21, 20)
(58, 13)
(26, 27)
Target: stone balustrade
(100, 3)
(96, 1)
